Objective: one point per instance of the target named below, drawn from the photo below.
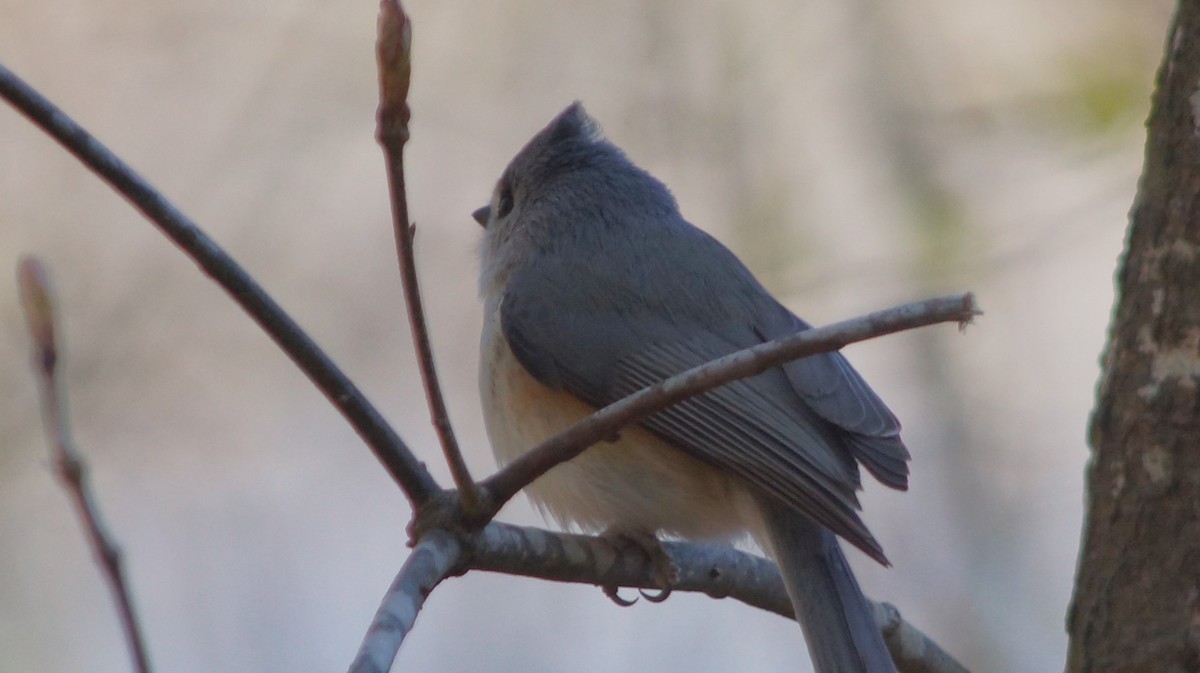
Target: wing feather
(796, 432)
(830, 386)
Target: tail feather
(837, 621)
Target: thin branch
(603, 424)
(435, 557)
(393, 53)
(38, 301)
(396, 457)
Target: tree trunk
(1137, 595)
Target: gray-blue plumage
(603, 328)
(596, 287)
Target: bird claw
(613, 593)
(662, 595)
(666, 574)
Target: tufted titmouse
(594, 287)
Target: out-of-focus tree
(1137, 597)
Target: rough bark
(1137, 595)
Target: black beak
(481, 215)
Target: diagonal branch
(434, 558)
(396, 457)
(393, 52)
(38, 301)
(567, 444)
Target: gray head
(567, 181)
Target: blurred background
(856, 154)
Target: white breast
(637, 483)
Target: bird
(595, 286)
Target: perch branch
(715, 570)
(718, 571)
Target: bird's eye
(504, 205)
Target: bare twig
(435, 557)
(38, 300)
(601, 425)
(393, 52)
(396, 457)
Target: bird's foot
(665, 572)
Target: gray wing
(599, 340)
(830, 386)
